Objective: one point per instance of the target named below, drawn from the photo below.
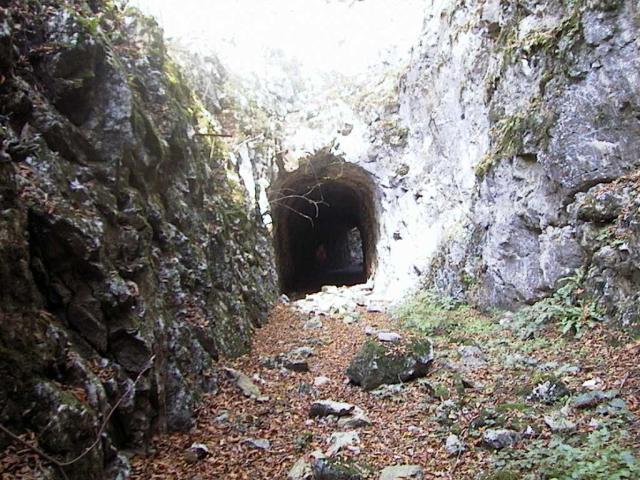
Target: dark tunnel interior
(325, 226)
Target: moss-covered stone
(377, 364)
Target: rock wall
(554, 89)
(561, 98)
(486, 146)
(128, 242)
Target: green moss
(517, 406)
(441, 391)
(509, 133)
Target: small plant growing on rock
(568, 306)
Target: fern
(569, 307)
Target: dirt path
(408, 426)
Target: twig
(47, 457)
(624, 380)
(306, 196)
(60, 464)
(213, 135)
(455, 465)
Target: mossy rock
(330, 469)
(377, 364)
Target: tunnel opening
(325, 225)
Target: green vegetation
(553, 45)
(569, 307)
(598, 455)
(433, 314)
(508, 134)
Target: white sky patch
(324, 36)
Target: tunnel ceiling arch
(325, 224)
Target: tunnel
(325, 225)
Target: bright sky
(323, 35)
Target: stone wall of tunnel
(319, 212)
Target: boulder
(389, 337)
(258, 443)
(377, 364)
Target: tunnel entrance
(325, 225)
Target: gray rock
(453, 445)
(301, 470)
(331, 469)
(593, 398)
(324, 408)
(467, 351)
(399, 472)
(559, 423)
(375, 307)
(369, 330)
(547, 366)
(284, 299)
(295, 360)
(295, 364)
(393, 391)
(303, 352)
(560, 254)
(350, 318)
(244, 383)
(259, 443)
(612, 408)
(500, 438)
(389, 337)
(313, 324)
(339, 440)
(199, 450)
(548, 391)
(357, 419)
(471, 357)
(375, 364)
(321, 381)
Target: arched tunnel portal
(325, 225)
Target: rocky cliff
(501, 159)
(497, 149)
(543, 105)
(128, 244)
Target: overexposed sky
(345, 36)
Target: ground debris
(415, 425)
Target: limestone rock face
(376, 364)
(544, 127)
(484, 149)
(125, 237)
